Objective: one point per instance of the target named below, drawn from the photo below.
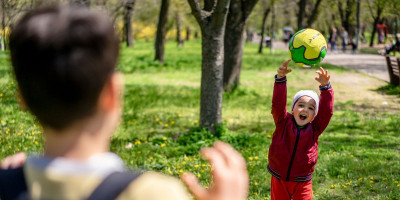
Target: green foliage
(358, 152)
(390, 89)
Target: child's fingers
(286, 63)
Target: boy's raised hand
(230, 180)
(283, 70)
(323, 77)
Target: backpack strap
(12, 183)
(113, 185)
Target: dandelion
(255, 193)
(170, 172)
(325, 170)
(196, 121)
(203, 165)
(333, 186)
(196, 166)
(351, 155)
(334, 152)
(36, 143)
(166, 125)
(172, 122)
(183, 163)
(269, 135)
(371, 181)
(398, 185)
(360, 179)
(348, 183)
(256, 157)
(198, 175)
(250, 158)
(179, 115)
(255, 183)
(162, 145)
(343, 186)
(186, 158)
(137, 142)
(266, 198)
(372, 178)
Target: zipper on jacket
(293, 154)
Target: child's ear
(21, 101)
(111, 96)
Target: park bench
(393, 64)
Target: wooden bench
(393, 64)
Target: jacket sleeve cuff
(326, 87)
(280, 79)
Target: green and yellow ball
(307, 47)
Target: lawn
(359, 152)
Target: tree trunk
(161, 30)
(358, 25)
(188, 32)
(211, 79)
(212, 20)
(272, 29)
(266, 12)
(376, 21)
(234, 41)
(3, 24)
(178, 30)
(128, 12)
(314, 14)
(301, 14)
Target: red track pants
(287, 190)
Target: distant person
(344, 36)
(64, 62)
(393, 46)
(333, 39)
(293, 152)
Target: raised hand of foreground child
(283, 70)
(323, 76)
(13, 161)
(230, 177)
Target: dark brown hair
(62, 57)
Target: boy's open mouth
(303, 117)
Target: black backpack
(13, 185)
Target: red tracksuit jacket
(293, 152)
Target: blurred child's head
(305, 106)
(62, 58)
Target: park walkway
(373, 65)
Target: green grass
(359, 153)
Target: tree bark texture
(161, 30)
(212, 20)
(266, 12)
(179, 40)
(234, 40)
(377, 19)
(128, 12)
(301, 14)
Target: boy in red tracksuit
(293, 152)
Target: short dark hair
(62, 57)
